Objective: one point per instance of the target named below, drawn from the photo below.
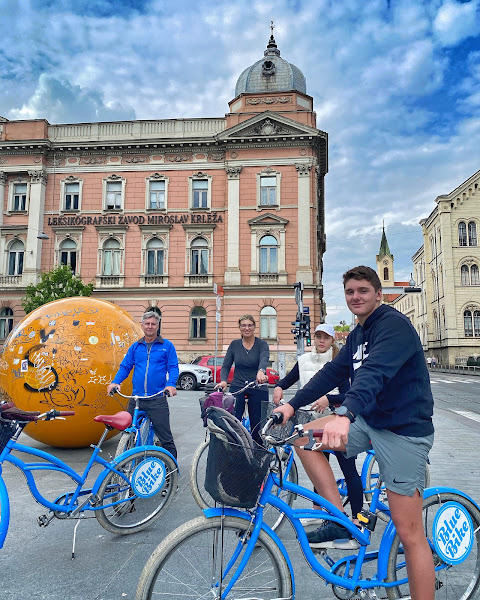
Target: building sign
(135, 219)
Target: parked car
(192, 376)
(209, 362)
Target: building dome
(271, 74)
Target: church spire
(384, 249)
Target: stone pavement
(36, 563)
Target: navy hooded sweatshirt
(390, 382)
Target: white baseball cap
(328, 329)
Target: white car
(192, 376)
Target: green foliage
(342, 327)
(53, 285)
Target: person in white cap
(323, 351)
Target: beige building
(446, 314)
(155, 212)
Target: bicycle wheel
(371, 481)
(271, 515)
(453, 581)
(152, 482)
(128, 439)
(190, 561)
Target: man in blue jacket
(152, 359)
(389, 407)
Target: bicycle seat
(11, 413)
(120, 420)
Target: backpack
(218, 399)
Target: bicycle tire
(188, 561)
(136, 512)
(126, 442)
(455, 582)
(371, 482)
(272, 517)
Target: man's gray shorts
(401, 458)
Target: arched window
(6, 322)
(474, 277)
(385, 274)
(68, 254)
(268, 323)
(199, 257)
(462, 234)
(467, 323)
(111, 257)
(15, 258)
(472, 234)
(155, 257)
(198, 323)
(476, 323)
(268, 254)
(465, 275)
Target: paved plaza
(36, 563)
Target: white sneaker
(337, 544)
(311, 522)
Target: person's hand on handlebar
(277, 395)
(111, 387)
(221, 386)
(286, 410)
(262, 376)
(172, 390)
(321, 404)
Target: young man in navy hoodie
(389, 407)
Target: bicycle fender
(106, 471)
(391, 531)
(4, 512)
(232, 512)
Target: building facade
(156, 212)
(446, 314)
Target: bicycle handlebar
(117, 391)
(298, 432)
(248, 385)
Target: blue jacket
(390, 385)
(150, 367)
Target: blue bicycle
(231, 554)
(130, 493)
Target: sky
(395, 83)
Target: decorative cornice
(38, 177)
(233, 172)
(269, 100)
(3, 178)
(303, 169)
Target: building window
(465, 275)
(114, 195)
(268, 254)
(68, 254)
(474, 277)
(472, 234)
(268, 323)
(385, 274)
(155, 257)
(15, 258)
(462, 234)
(200, 193)
(71, 196)
(19, 197)
(268, 191)
(476, 323)
(156, 195)
(6, 322)
(199, 257)
(198, 323)
(112, 257)
(467, 323)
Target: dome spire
(272, 44)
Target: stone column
(304, 226)
(3, 183)
(36, 206)
(232, 272)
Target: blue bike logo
(453, 533)
(149, 477)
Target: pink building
(156, 212)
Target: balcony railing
(268, 278)
(111, 280)
(10, 279)
(198, 279)
(154, 279)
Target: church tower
(384, 260)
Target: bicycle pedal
(367, 519)
(44, 520)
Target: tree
(342, 327)
(53, 285)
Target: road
(35, 563)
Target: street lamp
(42, 236)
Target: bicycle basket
(236, 468)
(301, 417)
(6, 432)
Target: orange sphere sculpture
(63, 355)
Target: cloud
(61, 102)
(456, 22)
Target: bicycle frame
(329, 512)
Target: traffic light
(308, 335)
(296, 331)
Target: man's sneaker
(332, 535)
(311, 522)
